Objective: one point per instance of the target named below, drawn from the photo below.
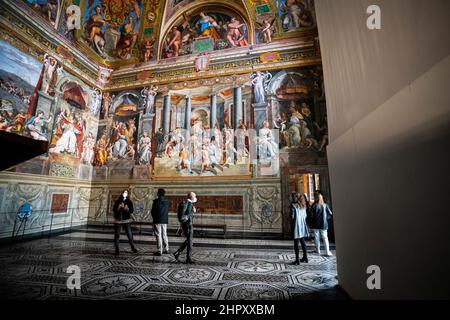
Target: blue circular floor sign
(25, 211)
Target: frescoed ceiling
(148, 40)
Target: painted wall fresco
(44, 102)
(203, 31)
(19, 75)
(122, 146)
(297, 108)
(296, 15)
(111, 28)
(202, 147)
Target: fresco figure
(101, 151)
(149, 95)
(295, 15)
(127, 39)
(94, 27)
(208, 27)
(37, 126)
(96, 102)
(204, 159)
(266, 32)
(148, 50)
(324, 131)
(184, 159)
(291, 14)
(268, 148)
(50, 73)
(144, 149)
(87, 155)
(71, 129)
(214, 152)
(236, 34)
(260, 81)
(120, 144)
(106, 103)
(161, 141)
(48, 8)
(173, 43)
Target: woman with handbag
(320, 213)
(123, 209)
(299, 208)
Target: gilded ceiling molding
(217, 71)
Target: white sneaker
(329, 254)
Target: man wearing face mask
(123, 208)
(186, 210)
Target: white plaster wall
(389, 110)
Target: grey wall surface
(388, 107)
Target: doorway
(305, 180)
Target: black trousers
(296, 248)
(188, 231)
(117, 228)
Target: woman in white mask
(123, 208)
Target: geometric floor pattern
(37, 269)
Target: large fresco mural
(297, 107)
(204, 31)
(111, 27)
(19, 75)
(189, 131)
(44, 102)
(121, 144)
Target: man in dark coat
(160, 214)
(123, 208)
(186, 210)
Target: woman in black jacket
(123, 208)
(320, 213)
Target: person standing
(299, 208)
(160, 214)
(186, 210)
(320, 213)
(122, 209)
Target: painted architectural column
(166, 114)
(187, 113)
(213, 112)
(237, 105)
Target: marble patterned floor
(36, 270)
